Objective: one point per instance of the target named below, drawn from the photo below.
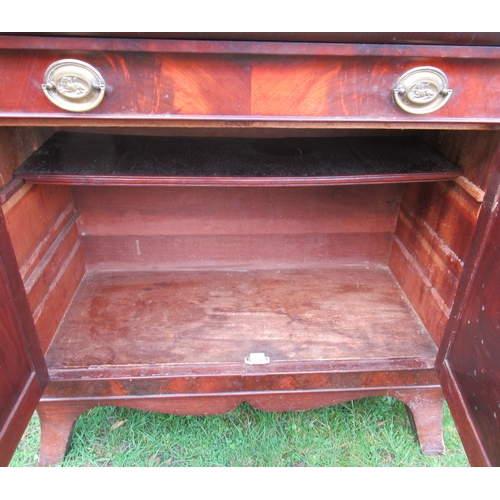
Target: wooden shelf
(208, 321)
(87, 159)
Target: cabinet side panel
(412, 279)
(41, 223)
(436, 225)
(55, 285)
(34, 217)
(476, 153)
(16, 144)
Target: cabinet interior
(174, 275)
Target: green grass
(373, 432)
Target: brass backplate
(74, 85)
(422, 90)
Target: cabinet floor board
(220, 317)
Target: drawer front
(238, 81)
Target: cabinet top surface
(426, 38)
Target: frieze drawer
(194, 81)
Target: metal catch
(257, 358)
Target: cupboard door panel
(23, 373)
(469, 361)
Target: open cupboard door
(469, 359)
(23, 374)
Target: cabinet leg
(57, 422)
(426, 418)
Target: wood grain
(469, 187)
(203, 276)
(448, 38)
(143, 211)
(163, 253)
(136, 381)
(475, 153)
(435, 227)
(472, 344)
(191, 80)
(220, 317)
(41, 280)
(15, 361)
(186, 46)
(10, 190)
(24, 374)
(477, 454)
(43, 232)
(173, 228)
(187, 334)
(17, 144)
(447, 211)
(17, 416)
(442, 267)
(57, 418)
(34, 221)
(52, 307)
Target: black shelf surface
(82, 159)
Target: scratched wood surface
(206, 317)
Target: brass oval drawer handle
(422, 90)
(73, 85)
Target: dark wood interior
(305, 232)
(156, 257)
(160, 224)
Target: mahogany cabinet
(191, 221)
